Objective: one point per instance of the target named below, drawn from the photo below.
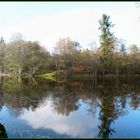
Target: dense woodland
(27, 58)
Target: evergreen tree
(106, 40)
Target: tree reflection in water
(66, 101)
(107, 113)
(110, 99)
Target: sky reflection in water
(51, 110)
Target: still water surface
(73, 109)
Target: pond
(37, 108)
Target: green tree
(2, 54)
(36, 59)
(106, 40)
(25, 57)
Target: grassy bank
(49, 76)
(55, 76)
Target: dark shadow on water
(3, 133)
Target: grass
(54, 76)
(49, 76)
(75, 76)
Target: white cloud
(80, 25)
(77, 124)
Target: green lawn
(54, 76)
(49, 76)
(76, 76)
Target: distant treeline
(20, 57)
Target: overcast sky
(49, 21)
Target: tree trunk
(19, 71)
(69, 69)
(2, 69)
(69, 72)
(95, 76)
(117, 73)
(103, 74)
(30, 71)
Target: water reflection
(74, 125)
(71, 109)
(107, 113)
